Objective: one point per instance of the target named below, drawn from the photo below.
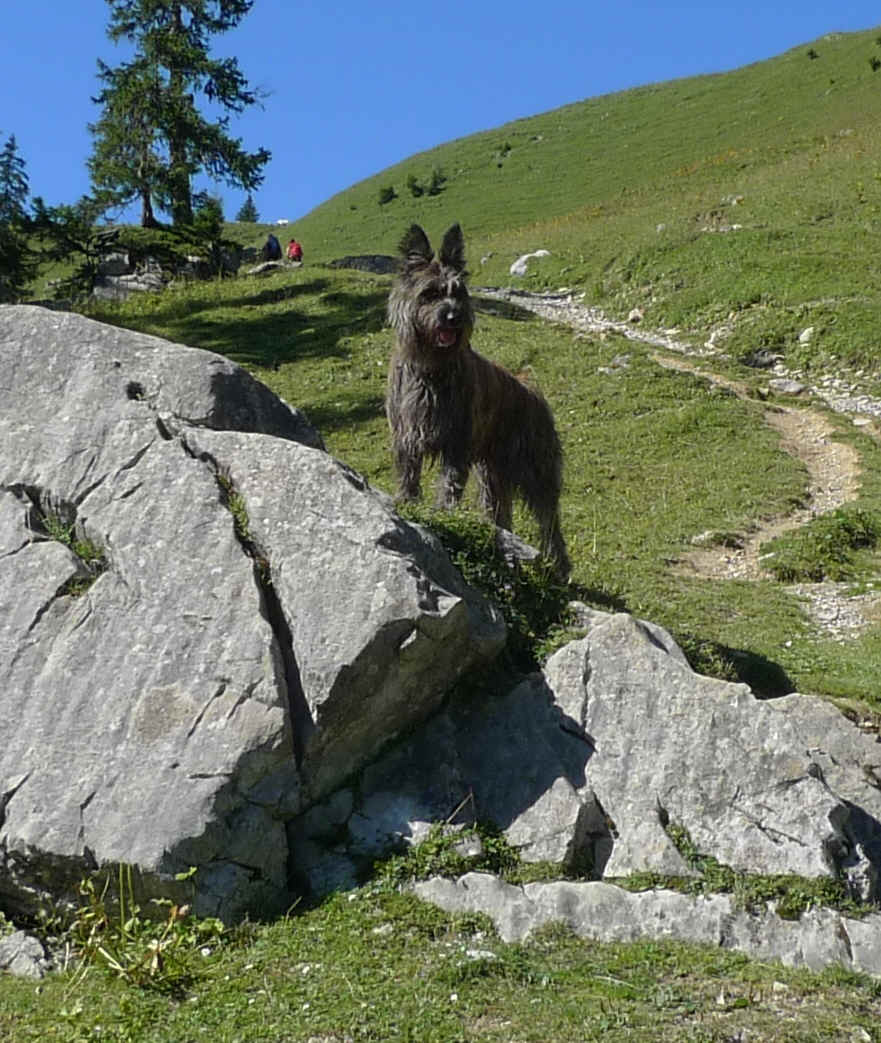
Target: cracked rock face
(762, 786)
(586, 765)
(177, 705)
(778, 787)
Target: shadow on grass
(601, 599)
(366, 409)
(273, 339)
(502, 309)
(277, 294)
(767, 679)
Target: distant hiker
(295, 251)
(271, 250)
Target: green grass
(653, 457)
(378, 966)
(824, 548)
(620, 189)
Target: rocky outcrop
(590, 764)
(206, 623)
(120, 273)
(764, 787)
(511, 760)
(603, 912)
(220, 648)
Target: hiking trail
(805, 432)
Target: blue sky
(354, 87)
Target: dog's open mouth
(446, 336)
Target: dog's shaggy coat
(445, 401)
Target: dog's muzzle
(446, 336)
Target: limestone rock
(785, 386)
(586, 765)
(23, 955)
(376, 642)
(764, 787)
(515, 761)
(521, 265)
(604, 912)
(177, 705)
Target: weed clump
(824, 548)
(448, 851)
(53, 526)
(790, 894)
(531, 599)
(165, 952)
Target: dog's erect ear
(452, 251)
(415, 247)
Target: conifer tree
(248, 211)
(17, 261)
(13, 184)
(151, 139)
(126, 161)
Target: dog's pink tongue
(446, 338)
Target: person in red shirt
(295, 251)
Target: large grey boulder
(380, 622)
(259, 625)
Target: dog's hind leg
(540, 486)
(495, 496)
(553, 546)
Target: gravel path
(807, 434)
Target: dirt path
(833, 480)
(807, 434)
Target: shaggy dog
(445, 401)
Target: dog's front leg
(454, 475)
(409, 467)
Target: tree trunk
(148, 218)
(181, 196)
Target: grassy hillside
(619, 189)
(632, 194)
(652, 457)
(746, 200)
